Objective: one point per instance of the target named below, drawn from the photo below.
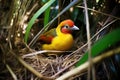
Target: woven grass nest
(51, 66)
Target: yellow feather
(61, 42)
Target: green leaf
(46, 17)
(105, 42)
(35, 16)
(44, 1)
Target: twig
(30, 68)
(84, 66)
(55, 75)
(41, 52)
(100, 12)
(103, 28)
(11, 72)
(91, 66)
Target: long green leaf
(107, 41)
(36, 15)
(46, 17)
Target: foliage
(101, 45)
(33, 16)
(36, 15)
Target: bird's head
(67, 26)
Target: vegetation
(95, 53)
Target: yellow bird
(59, 38)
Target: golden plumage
(63, 40)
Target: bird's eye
(66, 26)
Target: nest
(48, 66)
(51, 65)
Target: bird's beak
(74, 28)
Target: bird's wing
(48, 36)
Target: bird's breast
(62, 42)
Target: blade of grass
(107, 41)
(36, 15)
(46, 16)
